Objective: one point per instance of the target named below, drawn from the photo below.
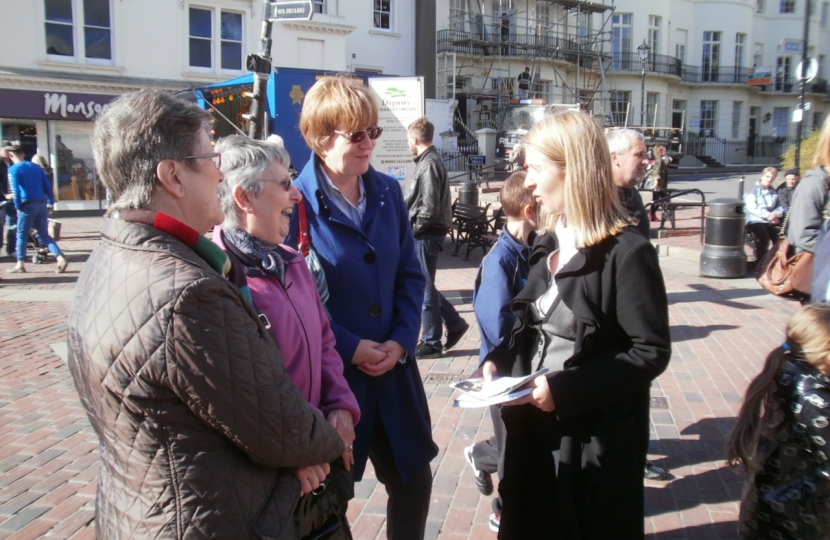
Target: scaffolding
(480, 55)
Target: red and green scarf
(204, 248)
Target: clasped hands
(541, 396)
(313, 475)
(375, 359)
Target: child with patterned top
(781, 436)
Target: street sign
(812, 70)
(475, 160)
(280, 11)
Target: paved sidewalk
(721, 329)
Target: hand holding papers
(480, 393)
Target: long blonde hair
(822, 155)
(576, 144)
(808, 341)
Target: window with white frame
(231, 38)
(780, 121)
(740, 44)
(708, 116)
(825, 8)
(652, 107)
(619, 107)
(759, 6)
(783, 71)
(682, 37)
(318, 6)
(787, 6)
(758, 55)
(203, 39)
(458, 14)
(654, 24)
(383, 14)
(736, 118)
(545, 90)
(711, 56)
(542, 17)
(584, 27)
(621, 40)
(79, 29)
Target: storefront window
(72, 158)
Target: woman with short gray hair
(258, 199)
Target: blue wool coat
(376, 292)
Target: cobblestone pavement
(721, 329)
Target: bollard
(741, 188)
(723, 253)
(468, 193)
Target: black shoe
(425, 350)
(483, 480)
(653, 472)
(455, 336)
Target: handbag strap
(305, 235)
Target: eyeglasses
(285, 183)
(215, 156)
(358, 136)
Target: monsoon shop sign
(40, 105)
(57, 104)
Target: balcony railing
(558, 47)
(656, 63)
(715, 74)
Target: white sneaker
(483, 480)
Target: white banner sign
(401, 101)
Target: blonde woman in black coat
(595, 313)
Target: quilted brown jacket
(198, 422)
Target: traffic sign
(280, 11)
(812, 70)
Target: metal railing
(656, 63)
(757, 149)
(668, 208)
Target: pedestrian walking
(780, 436)
(33, 201)
(430, 213)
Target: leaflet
(479, 393)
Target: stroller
(41, 253)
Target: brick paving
(721, 330)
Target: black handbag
(321, 514)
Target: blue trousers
(436, 308)
(34, 215)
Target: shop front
(58, 125)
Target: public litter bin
(468, 193)
(723, 243)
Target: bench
(471, 226)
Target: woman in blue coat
(359, 227)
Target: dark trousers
(436, 307)
(765, 234)
(489, 455)
(408, 504)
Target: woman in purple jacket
(258, 199)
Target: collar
(419, 157)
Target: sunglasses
(215, 156)
(358, 136)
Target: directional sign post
(280, 11)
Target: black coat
(600, 426)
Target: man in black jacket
(430, 213)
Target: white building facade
(702, 74)
(61, 61)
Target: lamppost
(643, 51)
